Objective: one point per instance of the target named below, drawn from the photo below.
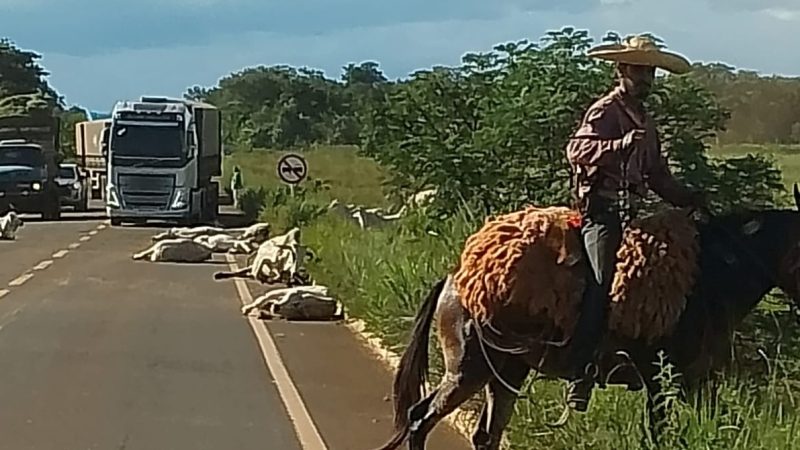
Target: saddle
(531, 262)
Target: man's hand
(632, 138)
(698, 201)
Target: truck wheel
(116, 221)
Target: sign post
(292, 170)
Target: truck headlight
(112, 199)
(76, 185)
(36, 186)
(179, 201)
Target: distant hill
(95, 115)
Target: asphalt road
(98, 351)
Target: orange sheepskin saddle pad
(532, 261)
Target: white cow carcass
(296, 303)
(9, 224)
(175, 250)
(188, 232)
(422, 198)
(278, 260)
(258, 231)
(376, 218)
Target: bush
(253, 201)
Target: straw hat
(641, 50)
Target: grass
(786, 156)
(381, 276)
(351, 178)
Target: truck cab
(162, 159)
(27, 179)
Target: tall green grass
(349, 176)
(382, 275)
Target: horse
(742, 257)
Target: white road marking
(84, 238)
(20, 280)
(92, 233)
(102, 226)
(304, 427)
(43, 265)
(74, 245)
(60, 254)
(4, 292)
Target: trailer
(89, 154)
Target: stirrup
(569, 405)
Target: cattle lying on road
(277, 260)
(296, 303)
(258, 232)
(175, 250)
(9, 224)
(223, 243)
(188, 233)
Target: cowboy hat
(642, 51)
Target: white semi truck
(164, 161)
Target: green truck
(29, 165)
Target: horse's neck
(730, 291)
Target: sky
(101, 51)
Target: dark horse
(742, 257)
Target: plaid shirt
(595, 150)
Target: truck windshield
(21, 156)
(157, 140)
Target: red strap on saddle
(575, 221)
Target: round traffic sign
(292, 168)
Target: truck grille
(146, 191)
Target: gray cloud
(753, 5)
(85, 27)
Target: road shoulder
(345, 389)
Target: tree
(69, 118)
(367, 73)
(492, 131)
(22, 74)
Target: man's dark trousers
(601, 232)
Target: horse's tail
(413, 370)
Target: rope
(482, 343)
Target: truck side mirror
(104, 141)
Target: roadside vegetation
(489, 135)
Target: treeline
(491, 131)
(763, 110)
(25, 92)
(281, 106)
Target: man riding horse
(616, 151)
